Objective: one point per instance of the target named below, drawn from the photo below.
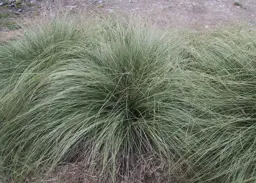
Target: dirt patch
(147, 170)
(175, 13)
(196, 14)
(189, 13)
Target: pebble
(110, 10)
(96, 2)
(1, 3)
(32, 1)
(20, 10)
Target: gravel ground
(176, 13)
(196, 14)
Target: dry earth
(181, 13)
(196, 14)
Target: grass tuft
(110, 97)
(225, 61)
(111, 93)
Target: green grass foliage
(114, 90)
(226, 64)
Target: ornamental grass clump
(109, 93)
(226, 62)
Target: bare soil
(196, 14)
(175, 13)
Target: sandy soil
(196, 14)
(176, 13)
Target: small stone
(12, 5)
(20, 10)
(1, 3)
(97, 2)
(17, 13)
(12, 1)
(71, 7)
(33, 1)
(206, 26)
(110, 10)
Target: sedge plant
(108, 93)
(113, 91)
(225, 61)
